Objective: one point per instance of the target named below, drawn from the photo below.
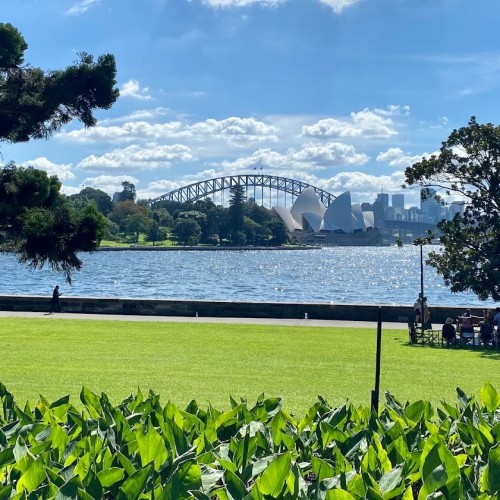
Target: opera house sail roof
(309, 214)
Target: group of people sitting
(486, 323)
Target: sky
(341, 94)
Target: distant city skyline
(341, 94)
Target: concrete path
(187, 319)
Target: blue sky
(342, 94)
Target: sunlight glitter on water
(361, 275)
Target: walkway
(186, 319)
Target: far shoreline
(201, 248)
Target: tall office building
(398, 201)
(431, 208)
(383, 199)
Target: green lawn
(208, 362)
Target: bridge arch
(269, 183)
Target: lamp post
(422, 280)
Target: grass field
(210, 362)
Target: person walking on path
(55, 305)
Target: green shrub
(142, 449)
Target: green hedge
(142, 449)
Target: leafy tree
(137, 224)
(127, 192)
(112, 231)
(468, 165)
(102, 200)
(256, 234)
(238, 238)
(34, 103)
(187, 231)
(41, 225)
(156, 233)
(162, 217)
(123, 209)
(237, 212)
(36, 222)
(280, 235)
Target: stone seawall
(226, 309)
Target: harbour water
(354, 275)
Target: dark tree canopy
(42, 226)
(237, 213)
(36, 222)
(100, 198)
(34, 103)
(127, 192)
(468, 165)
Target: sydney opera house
(342, 223)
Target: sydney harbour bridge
(264, 189)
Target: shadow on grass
(484, 351)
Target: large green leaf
(322, 469)
(108, 477)
(151, 446)
(187, 477)
(274, 476)
(490, 480)
(391, 482)
(134, 485)
(91, 401)
(439, 466)
(32, 477)
(209, 477)
(234, 485)
(489, 397)
(338, 495)
(6, 457)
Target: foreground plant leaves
(141, 449)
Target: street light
(422, 284)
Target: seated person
(496, 318)
(449, 332)
(486, 328)
(467, 326)
(486, 331)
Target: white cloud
(309, 157)
(108, 183)
(62, 170)
(80, 7)
(128, 132)
(131, 88)
(365, 123)
(137, 158)
(139, 115)
(336, 5)
(339, 5)
(234, 130)
(160, 187)
(69, 190)
(396, 157)
(241, 3)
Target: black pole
(375, 392)
(422, 271)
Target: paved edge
(189, 319)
